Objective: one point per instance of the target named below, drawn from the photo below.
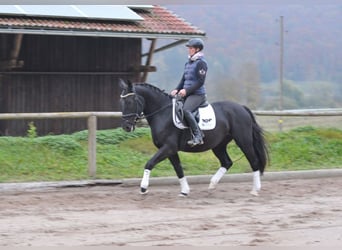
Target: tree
(249, 82)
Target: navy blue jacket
(194, 75)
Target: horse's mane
(152, 87)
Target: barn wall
(61, 74)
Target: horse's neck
(154, 101)
(155, 106)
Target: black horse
(233, 122)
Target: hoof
(183, 195)
(212, 186)
(143, 191)
(255, 193)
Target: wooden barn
(68, 58)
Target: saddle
(204, 115)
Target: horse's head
(132, 106)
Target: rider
(191, 87)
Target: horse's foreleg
(175, 161)
(256, 183)
(161, 155)
(145, 181)
(185, 189)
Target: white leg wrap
(146, 178)
(217, 177)
(256, 183)
(185, 189)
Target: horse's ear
(129, 86)
(122, 84)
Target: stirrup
(195, 141)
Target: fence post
(92, 126)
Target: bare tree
(249, 82)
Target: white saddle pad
(207, 118)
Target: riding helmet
(195, 43)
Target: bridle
(137, 115)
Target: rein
(138, 116)
(157, 111)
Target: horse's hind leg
(185, 189)
(245, 143)
(221, 153)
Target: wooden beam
(168, 46)
(143, 68)
(92, 127)
(12, 61)
(149, 59)
(16, 47)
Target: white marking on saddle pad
(207, 118)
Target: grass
(123, 155)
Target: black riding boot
(197, 138)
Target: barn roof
(155, 22)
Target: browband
(129, 94)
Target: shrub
(111, 136)
(61, 143)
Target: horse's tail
(259, 143)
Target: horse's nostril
(127, 128)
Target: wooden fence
(92, 123)
(303, 112)
(92, 127)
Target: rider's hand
(182, 93)
(174, 92)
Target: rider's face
(192, 51)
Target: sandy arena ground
(287, 213)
